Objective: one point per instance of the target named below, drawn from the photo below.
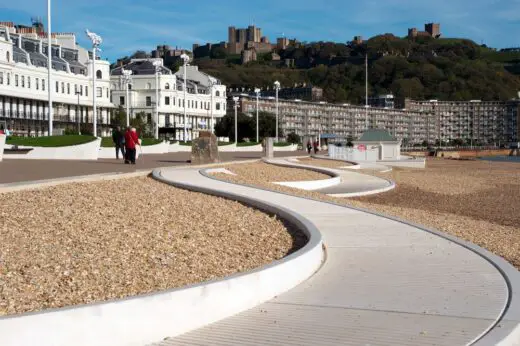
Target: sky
(129, 25)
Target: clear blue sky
(128, 25)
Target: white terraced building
(24, 78)
(201, 105)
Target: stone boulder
(204, 149)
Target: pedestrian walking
(119, 142)
(131, 141)
(316, 147)
(309, 147)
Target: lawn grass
(282, 144)
(50, 141)
(246, 144)
(106, 142)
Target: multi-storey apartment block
(491, 123)
(343, 120)
(205, 96)
(484, 122)
(24, 82)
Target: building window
(218, 106)
(99, 92)
(81, 89)
(122, 100)
(62, 87)
(16, 80)
(29, 82)
(86, 90)
(129, 86)
(8, 79)
(167, 86)
(68, 88)
(57, 86)
(107, 93)
(174, 101)
(99, 74)
(167, 101)
(148, 101)
(217, 93)
(43, 84)
(8, 56)
(37, 82)
(1, 78)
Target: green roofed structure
(378, 145)
(377, 135)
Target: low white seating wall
(2, 145)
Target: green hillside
(424, 68)
(444, 69)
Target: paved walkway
(352, 183)
(383, 283)
(12, 171)
(373, 166)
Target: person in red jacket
(131, 140)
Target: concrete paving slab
(384, 283)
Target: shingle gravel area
(475, 200)
(90, 242)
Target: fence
(354, 153)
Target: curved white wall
(145, 319)
(161, 148)
(292, 147)
(87, 151)
(176, 148)
(2, 145)
(311, 185)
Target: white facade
(24, 84)
(142, 97)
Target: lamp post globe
(157, 64)
(277, 88)
(235, 100)
(127, 79)
(185, 59)
(212, 83)
(96, 42)
(257, 92)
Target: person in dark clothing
(119, 140)
(309, 146)
(316, 147)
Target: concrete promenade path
(352, 183)
(15, 171)
(384, 282)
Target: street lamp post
(127, 79)
(212, 123)
(277, 88)
(78, 113)
(96, 42)
(185, 59)
(49, 65)
(257, 92)
(235, 99)
(157, 64)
